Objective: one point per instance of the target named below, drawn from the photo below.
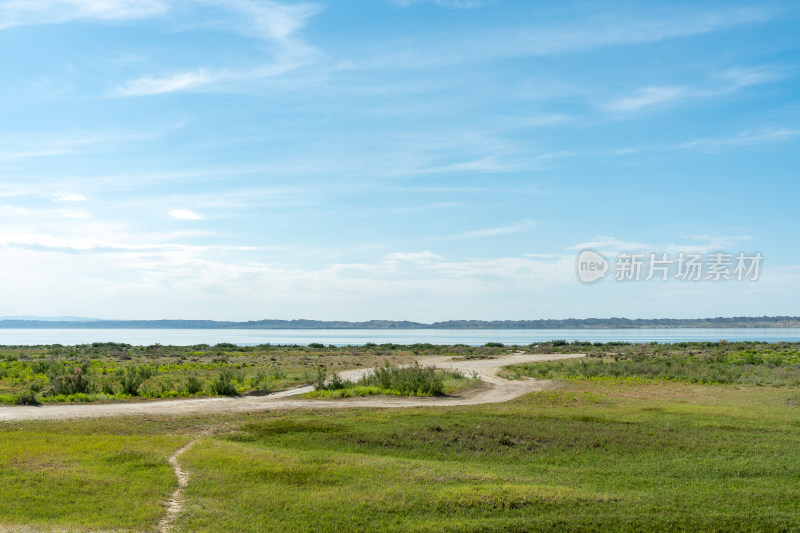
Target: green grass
(84, 474)
(593, 456)
(720, 366)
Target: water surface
(344, 337)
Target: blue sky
(421, 160)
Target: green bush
(133, 376)
(413, 380)
(223, 384)
(753, 367)
(193, 384)
(69, 378)
(26, 397)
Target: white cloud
(81, 215)
(588, 33)
(185, 214)
(698, 243)
(31, 12)
(746, 76)
(725, 83)
(177, 82)
(413, 257)
(607, 243)
(68, 197)
(492, 232)
(646, 97)
(26, 154)
(264, 20)
(450, 4)
(267, 20)
(746, 138)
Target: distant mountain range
(568, 323)
(52, 318)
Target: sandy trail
(175, 504)
(498, 390)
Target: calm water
(343, 337)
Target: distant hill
(568, 323)
(52, 318)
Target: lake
(344, 337)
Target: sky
(394, 159)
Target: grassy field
(636, 446)
(96, 474)
(590, 456)
(714, 363)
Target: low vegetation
(100, 372)
(79, 475)
(413, 380)
(718, 364)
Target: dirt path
(175, 504)
(498, 390)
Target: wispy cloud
(746, 138)
(27, 154)
(176, 82)
(80, 215)
(185, 214)
(695, 242)
(587, 33)
(33, 12)
(275, 23)
(266, 20)
(724, 83)
(484, 232)
(68, 197)
(648, 96)
(413, 257)
(450, 4)
(492, 232)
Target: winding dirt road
(497, 389)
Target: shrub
(193, 384)
(389, 379)
(414, 379)
(108, 388)
(42, 366)
(133, 376)
(223, 384)
(319, 380)
(26, 397)
(69, 379)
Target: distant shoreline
(779, 322)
